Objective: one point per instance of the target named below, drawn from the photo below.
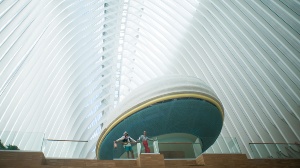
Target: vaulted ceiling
(65, 65)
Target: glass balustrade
(180, 150)
(27, 141)
(228, 145)
(35, 141)
(64, 148)
(275, 150)
(170, 150)
(119, 151)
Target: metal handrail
(179, 143)
(275, 143)
(66, 140)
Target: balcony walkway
(17, 159)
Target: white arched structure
(64, 65)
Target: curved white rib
(248, 51)
(56, 76)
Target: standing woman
(145, 139)
(126, 140)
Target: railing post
(197, 146)
(138, 148)
(155, 146)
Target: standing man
(145, 139)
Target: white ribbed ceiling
(247, 51)
(64, 64)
